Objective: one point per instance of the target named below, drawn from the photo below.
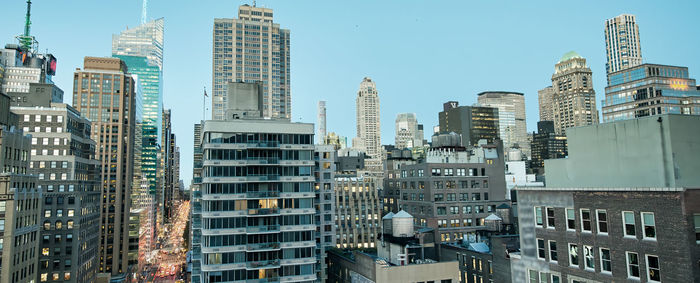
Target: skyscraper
(368, 129)
(321, 134)
(544, 97)
(574, 97)
(141, 49)
(622, 48)
(407, 134)
(249, 49)
(511, 117)
(104, 93)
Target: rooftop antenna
(254, 3)
(26, 41)
(144, 12)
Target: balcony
(263, 229)
(263, 246)
(267, 194)
(264, 280)
(264, 211)
(274, 263)
(262, 177)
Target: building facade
(63, 158)
(622, 48)
(574, 97)
(544, 98)
(511, 117)
(325, 157)
(546, 144)
(104, 93)
(358, 211)
(650, 89)
(472, 123)
(249, 49)
(407, 134)
(321, 120)
(368, 123)
(27, 77)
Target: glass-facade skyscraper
(141, 48)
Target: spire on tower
(144, 12)
(26, 40)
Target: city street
(170, 259)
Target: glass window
(632, 265)
(588, 257)
(586, 220)
(534, 276)
(556, 278)
(570, 219)
(605, 261)
(540, 249)
(653, 268)
(550, 217)
(602, 217)
(649, 225)
(573, 254)
(553, 251)
(628, 222)
(696, 220)
(539, 221)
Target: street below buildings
(169, 263)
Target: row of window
(548, 251)
(443, 172)
(46, 118)
(546, 217)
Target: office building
(512, 128)
(248, 49)
(650, 89)
(20, 206)
(546, 144)
(368, 125)
(62, 156)
(622, 48)
(453, 190)
(257, 199)
(325, 157)
(607, 215)
(574, 97)
(321, 120)
(402, 255)
(358, 210)
(27, 78)
(407, 133)
(390, 194)
(546, 103)
(104, 93)
(167, 159)
(472, 123)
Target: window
(696, 219)
(553, 251)
(602, 217)
(588, 257)
(534, 276)
(573, 254)
(653, 268)
(538, 216)
(540, 249)
(550, 217)
(628, 222)
(649, 225)
(605, 261)
(556, 278)
(570, 219)
(586, 220)
(632, 265)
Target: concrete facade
(544, 98)
(368, 127)
(512, 126)
(622, 48)
(574, 102)
(325, 157)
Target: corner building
(257, 202)
(104, 93)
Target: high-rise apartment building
(368, 123)
(62, 156)
(249, 49)
(104, 92)
(650, 89)
(141, 49)
(325, 157)
(574, 97)
(407, 134)
(511, 117)
(321, 133)
(196, 205)
(546, 103)
(622, 48)
(257, 204)
(472, 123)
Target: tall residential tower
(368, 130)
(249, 49)
(574, 97)
(622, 47)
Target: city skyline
(312, 80)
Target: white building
(622, 47)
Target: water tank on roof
(402, 224)
(386, 223)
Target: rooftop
(568, 56)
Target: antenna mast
(26, 40)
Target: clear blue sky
(420, 53)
